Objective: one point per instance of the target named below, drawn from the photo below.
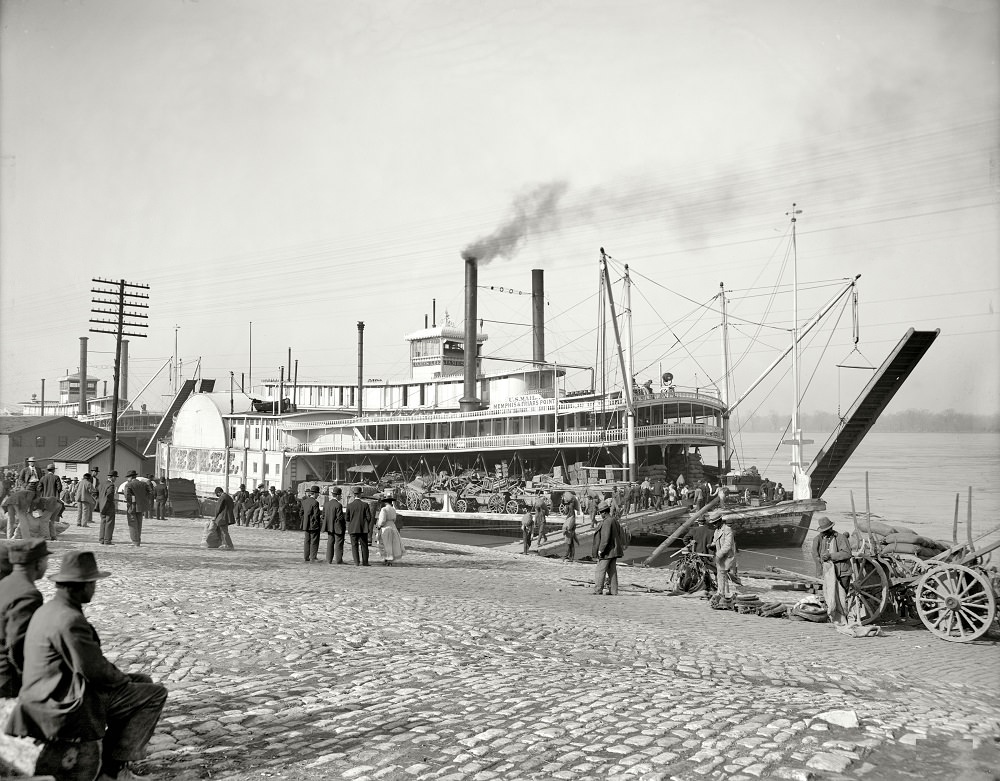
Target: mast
(800, 480)
(726, 447)
(626, 377)
(630, 413)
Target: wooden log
(648, 562)
(954, 525)
(968, 523)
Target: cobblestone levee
(466, 663)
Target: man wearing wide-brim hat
(70, 691)
(725, 553)
(608, 546)
(832, 554)
(19, 599)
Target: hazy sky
(306, 165)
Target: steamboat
(470, 450)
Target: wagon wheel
(512, 507)
(425, 504)
(412, 500)
(496, 503)
(868, 594)
(461, 506)
(956, 603)
(562, 508)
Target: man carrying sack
(70, 692)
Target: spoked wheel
(461, 506)
(425, 504)
(868, 595)
(512, 507)
(956, 603)
(412, 500)
(684, 577)
(496, 503)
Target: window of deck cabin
(423, 394)
(392, 431)
(657, 414)
(406, 395)
(514, 425)
(542, 423)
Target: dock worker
(608, 547)
(832, 554)
(725, 554)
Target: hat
(386, 499)
(604, 507)
(112, 474)
(78, 566)
(27, 551)
(714, 517)
(824, 524)
(50, 468)
(131, 473)
(314, 489)
(357, 490)
(31, 459)
(336, 491)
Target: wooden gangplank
(865, 411)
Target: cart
(954, 594)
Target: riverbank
(472, 663)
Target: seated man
(70, 692)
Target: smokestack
(83, 375)
(538, 314)
(123, 385)
(469, 401)
(434, 313)
(361, 364)
(43, 397)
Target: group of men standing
(70, 697)
(338, 521)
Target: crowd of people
(35, 501)
(355, 520)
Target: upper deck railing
(703, 433)
(533, 406)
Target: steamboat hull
(782, 525)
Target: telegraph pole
(123, 303)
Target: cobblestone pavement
(466, 663)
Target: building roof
(444, 332)
(13, 424)
(90, 378)
(86, 448)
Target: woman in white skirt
(389, 540)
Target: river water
(913, 479)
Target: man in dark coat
(50, 486)
(312, 524)
(107, 506)
(359, 526)
(19, 599)
(239, 502)
(70, 691)
(608, 548)
(160, 496)
(224, 518)
(30, 474)
(335, 526)
(137, 503)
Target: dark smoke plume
(533, 211)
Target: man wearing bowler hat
(137, 502)
(608, 547)
(312, 522)
(335, 526)
(19, 599)
(71, 692)
(359, 526)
